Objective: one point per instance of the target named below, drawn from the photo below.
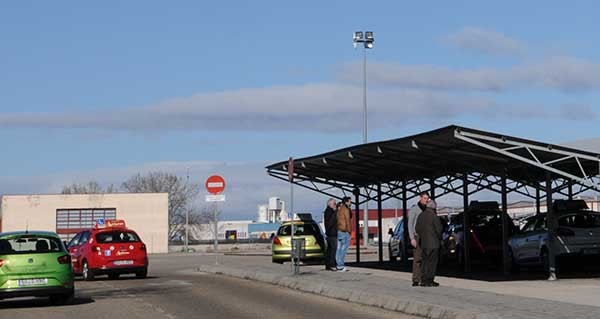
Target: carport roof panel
(436, 153)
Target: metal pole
(405, 217)
(292, 230)
(216, 217)
(466, 228)
(537, 199)
(505, 253)
(365, 139)
(379, 223)
(187, 213)
(551, 224)
(570, 189)
(357, 223)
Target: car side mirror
(391, 232)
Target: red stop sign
(215, 184)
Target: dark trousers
(429, 263)
(416, 268)
(330, 252)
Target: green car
(35, 264)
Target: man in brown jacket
(344, 226)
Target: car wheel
(113, 276)
(63, 299)
(277, 262)
(86, 272)
(142, 274)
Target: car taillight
(97, 249)
(66, 259)
(143, 247)
(1, 262)
(276, 241)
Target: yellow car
(309, 230)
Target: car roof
(30, 232)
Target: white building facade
(146, 213)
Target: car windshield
(117, 236)
(299, 230)
(29, 244)
(583, 220)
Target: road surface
(173, 290)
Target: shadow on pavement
(39, 303)
(574, 268)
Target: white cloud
(565, 74)
(310, 107)
(484, 41)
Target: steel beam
(551, 224)
(466, 228)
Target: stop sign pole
(295, 261)
(215, 185)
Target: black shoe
(426, 284)
(415, 284)
(434, 284)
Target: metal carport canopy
(441, 158)
(447, 151)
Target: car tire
(277, 262)
(86, 272)
(113, 276)
(142, 274)
(63, 299)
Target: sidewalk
(456, 298)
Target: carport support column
(551, 225)
(537, 199)
(466, 228)
(405, 217)
(570, 182)
(379, 223)
(505, 223)
(357, 223)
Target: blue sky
(104, 90)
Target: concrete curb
(410, 307)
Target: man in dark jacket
(330, 221)
(429, 230)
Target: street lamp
(367, 38)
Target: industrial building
(146, 213)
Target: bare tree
(181, 196)
(92, 187)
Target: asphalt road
(173, 290)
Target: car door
(73, 247)
(535, 239)
(519, 240)
(79, 251)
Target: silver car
(578, 233)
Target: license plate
(123, 262)
(32, 282)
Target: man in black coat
(331, 230)
(429, 230)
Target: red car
(110, 248)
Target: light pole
(367, 40)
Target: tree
(181, 196)
(92, 187)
